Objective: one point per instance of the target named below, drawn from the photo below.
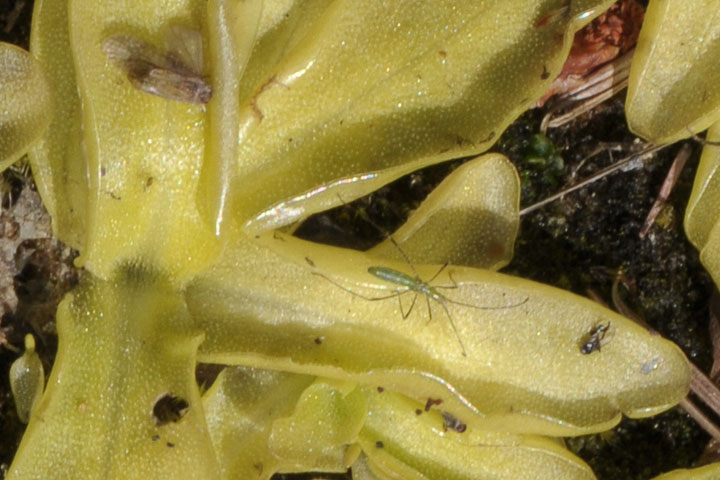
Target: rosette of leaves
(175, 207)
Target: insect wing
(133, 55)
(175, 86)
(186, 45)
(152, 71)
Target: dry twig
(670, 179)
(643, 154)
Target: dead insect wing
(174, 74)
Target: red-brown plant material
(609, 35)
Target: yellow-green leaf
(708, 472)
(57, 161)
(385, 88)
(142, 153)
(116, 359)
(675, 72)
(25, 103)
(702, 211)
(471, 219)
(701, 217)
(402, 440)
(232, 27)
(282, 303)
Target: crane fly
(413, 283)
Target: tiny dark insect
(174, 74)
(451, 422)
(379, 444)
(593, 340)
(169, 408)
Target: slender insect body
(399, 278)
(409, 283)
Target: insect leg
(447, 287)
(405, 315)
(438, 273)
(427, 300)
(452, 324)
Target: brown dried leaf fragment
(605, 38)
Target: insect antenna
(477, 307)
(494, 307)
(407, 259)
(438, 273)
(405, 315)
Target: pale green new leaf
(263, 422)
(27, 380)
(240, 409)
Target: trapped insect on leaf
(175, 74)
